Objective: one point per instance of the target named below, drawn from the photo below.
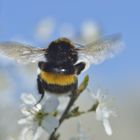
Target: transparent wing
(22, 53)
(100, 50)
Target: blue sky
(20, 17)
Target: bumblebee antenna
(41, 98)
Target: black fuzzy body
(61, 57)
(61, 52)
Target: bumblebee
(64, 60)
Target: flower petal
(34, 127)
(25, 111)
(38, 133)
(26, 120)
(99, 114)
(107, 127)
(50, 123)
(50, 105)
(26, 134)
(102, 112)
(36, 108)
(28, 99)
(63, 103)
(22, 121)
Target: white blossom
(81, 134)
(63, 103)
(102, 111)
(26, 134)
(45, 29)
(39, 117)
(90, 31)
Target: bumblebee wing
(100, 50)
(22, 53)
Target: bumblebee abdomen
(57, 79)
(58, 83)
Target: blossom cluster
(38, 116)
(45, 117)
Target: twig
(75, 112)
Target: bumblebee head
(61, 51)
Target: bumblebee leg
(79, 67)
(41, 65)
(40, 89)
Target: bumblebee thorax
(61, 51)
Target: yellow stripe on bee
(57, 79)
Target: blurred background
(37, 22)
